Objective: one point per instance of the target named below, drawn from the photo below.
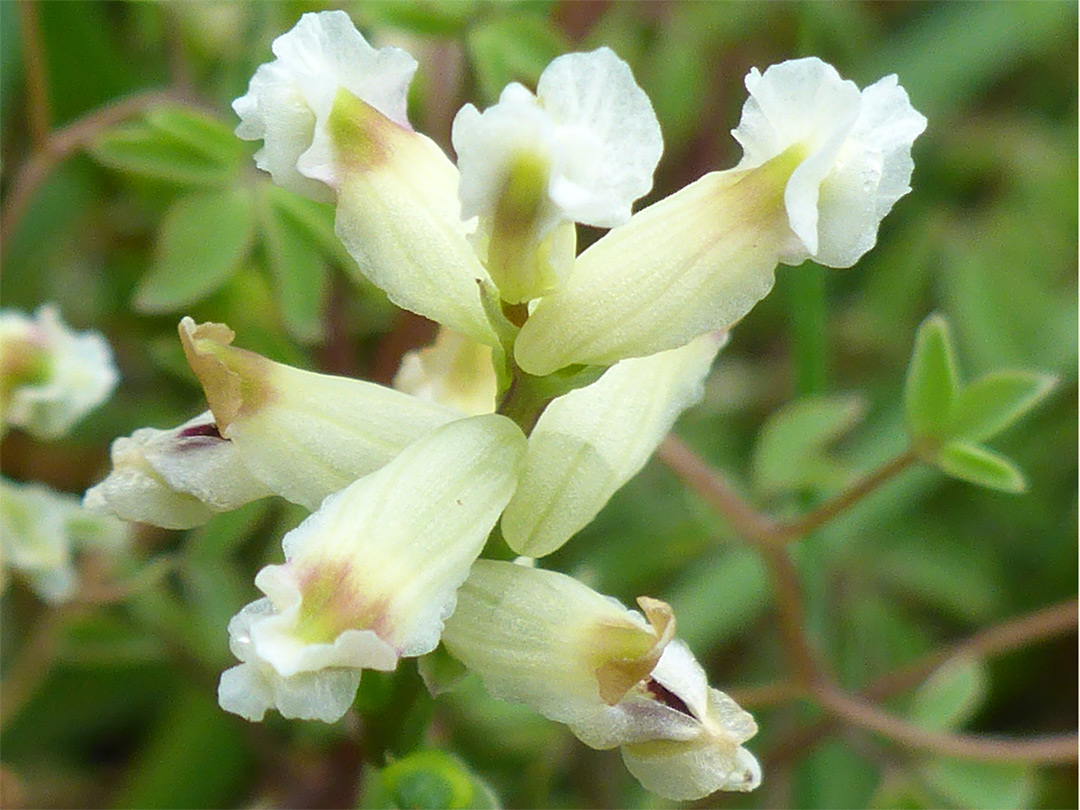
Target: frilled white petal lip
(303, 435)
(857, 148)
(289, 100)
(50, 375)
(175, 478)
(589, 123)
(372, 575)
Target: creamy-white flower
(50, 375)
(855, 148)
(583, 149)
(289, 100)
(372, 575)
(455, 370)
(544, 639)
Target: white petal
(608, 133)
(538, 637)
(398, 215)
(289, 101)
(410, 531)
(683, 771)
(591, 441)
(857, 149)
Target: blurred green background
(125, 712)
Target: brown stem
(711, 486)
(39, 110)
(1055, 748)
(61, 144)
(845, 500)
(991, 642)
(33, 662)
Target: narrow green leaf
(950, 696)
(203, 134)
(299, 270)
(790, 454)
(977, 465)
(981, 785)
(932, 383)
(139, 150)
(995, 401)
(202, 241)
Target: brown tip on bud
(233, 379)
(618, 676)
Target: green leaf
(981, 785)
(951, 695)
(513, 48)
(995, 401)
(833, 775)
(977, 465)
(139, 150)
(790, 454)
(202, 241)
(316, 220)
(932, 383)
(299, 270)
(199, 132)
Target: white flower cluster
(50, 378)
(553, 379)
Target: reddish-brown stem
(845, 500)
(62, 143)
(38, 112)
(715, 490)
(856, 711)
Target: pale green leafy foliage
(946, 419)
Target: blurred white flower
(50, 375)
(289, 100)
(40, 530)
(371, 576)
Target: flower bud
(591, 441)
(50, 376)
(455, 371)
(371, 576)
